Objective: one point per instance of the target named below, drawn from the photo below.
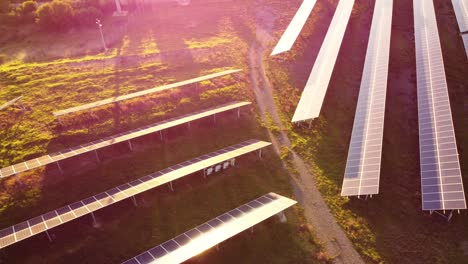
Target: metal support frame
(446, 217)
(130, 146)
(367, 196)
(59, 167)
(134, 201)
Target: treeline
(56, 15)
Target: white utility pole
(98, 22)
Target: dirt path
(325, 228)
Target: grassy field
(390, 227)
(159, 46)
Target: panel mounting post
(282, 217)
(170, 186)
(251, 229)
(59, 167)
(48, 236)
(238, 113)
(59, 120)
(134, 201)
(130, 145)
(95, 224)
(214, 118)
(97, 156)
(260, 153)
(161, 135)
(204, 173)
(188, 125)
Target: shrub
(28, 7)
(57, 15)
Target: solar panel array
(316, 87)
(297, 23)
(10, 103)
(70, 212)
(141, 93)
(362, 173)
(461, 11)
(215, 231)
(441, 182)
(111, 140)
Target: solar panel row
(362, 171)
(441, 182)
(111, 140)
(215, 231)
(461, 12)
(67, 213)
(10, 103)
(314, 92)
(141, 93)
(297, 23)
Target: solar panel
(297, 23)
(314, 92)
(465, 42)
(461, 12)
(67, 213)
(362, 173)
(111, 140)
(142, 93)
(441, 182)
(10, 103)
(215, 231)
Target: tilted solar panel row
(441, 182)
(214, 231)
(67, 213)
(111, 140)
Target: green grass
(162, 214)
(390, 227)
(145, 56)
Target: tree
(44, 16)
(57, 15)
(28, 7)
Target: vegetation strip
(141, 93)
